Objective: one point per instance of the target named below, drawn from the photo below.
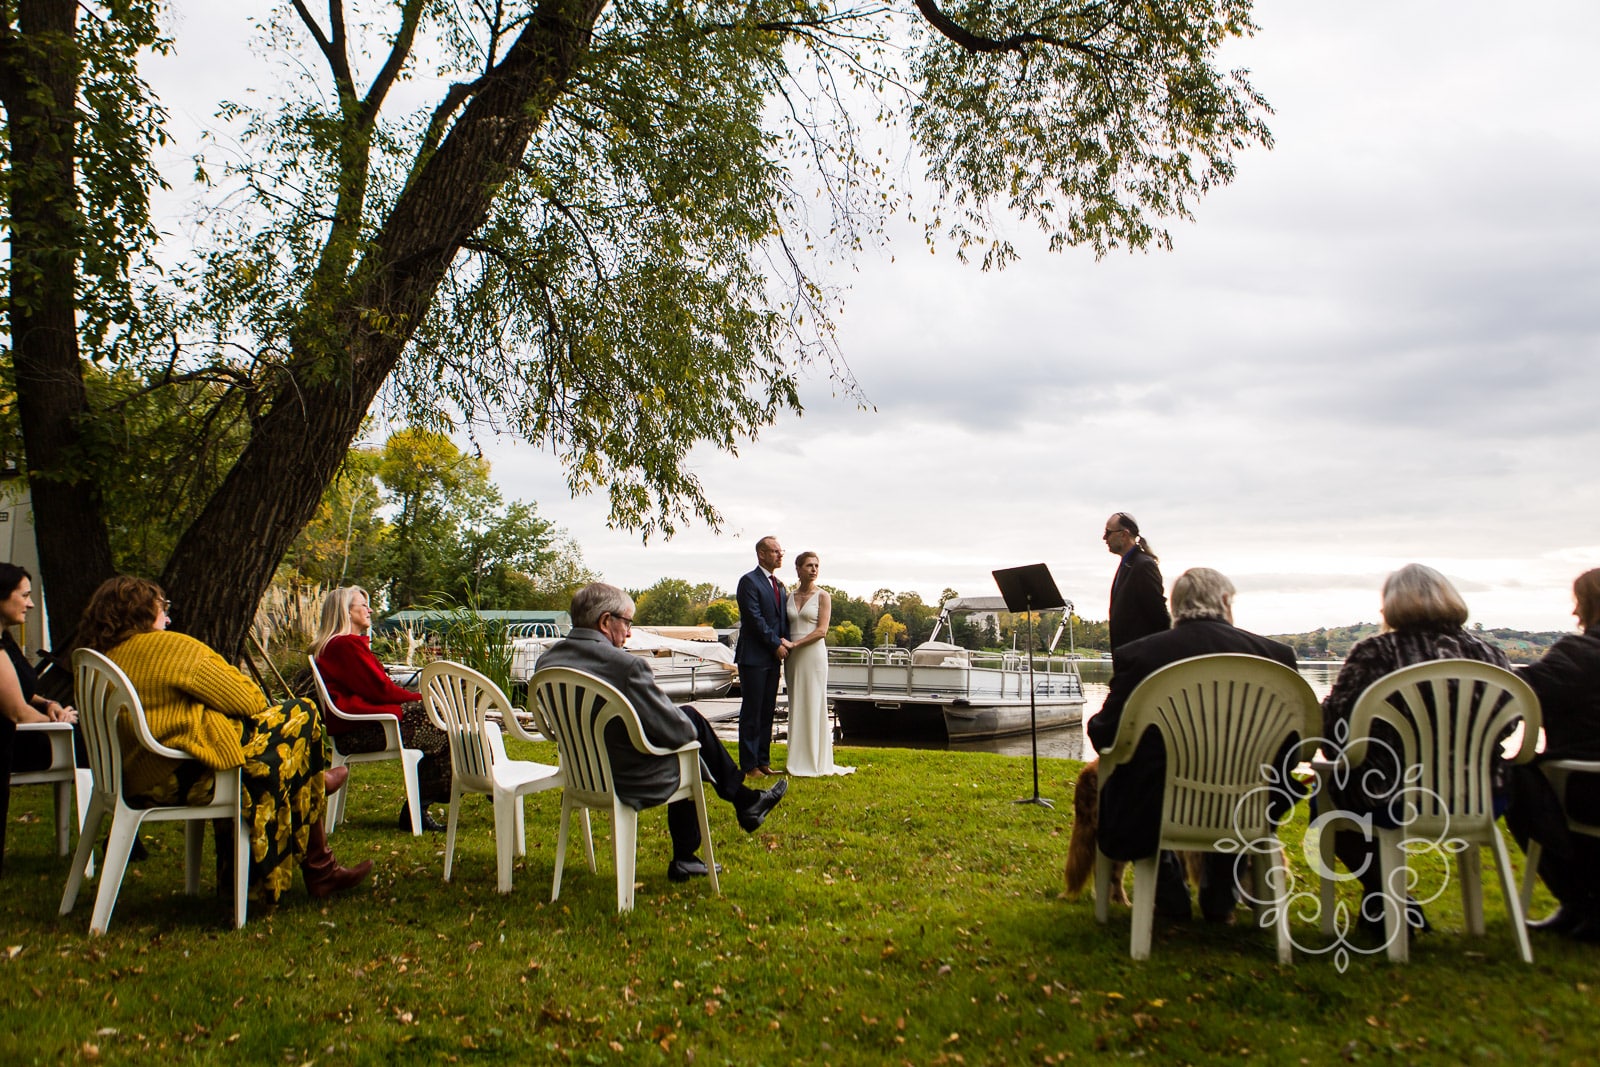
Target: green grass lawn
(907, 913)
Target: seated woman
(1567, 681)
(358, 683)
(18, 702)
(195, 701)
(1423, 620)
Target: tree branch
(974, 42)
(332, 48)
(410, 16)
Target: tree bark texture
(38, 81)
(355, 329)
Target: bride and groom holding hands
(781, 635)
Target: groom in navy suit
(763, 645)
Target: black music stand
(1030, 589)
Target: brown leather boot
(323, 875)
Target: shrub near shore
(907, 913)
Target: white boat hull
(875, 697)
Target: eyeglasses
(626, 620)
(164, 604)
(1108, 533)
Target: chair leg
(588, 839)
(1144, 905)
(194, 844)
(1519, 927)
(705, 834)
(241, 871)
(124, 828)
(88, 830)
(1272, 875)
(334, 814)
(561, 844)
(62, 792)
(1470, 862)
(505, 836)
(450, 827)
(1327, 883)
(410, 758)
(1102, 887)
(1392, 870)
(1529, 875)
(83, 789)
(522, 825)
(625, 843)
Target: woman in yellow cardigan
(196, 702)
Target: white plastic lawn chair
(107, 705)
(574, 707)
(410, 758)
(1450, 715)
(1557, 771)
(458, 699)
(1222, 718)
(63, 773)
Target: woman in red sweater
(359, 685)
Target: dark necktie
(777, 591)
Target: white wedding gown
(806, 672)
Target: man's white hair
(1201, 593)
(594, 600)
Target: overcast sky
(1378, 345)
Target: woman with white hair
(1424, 619)
(359, 685)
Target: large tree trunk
(225, 560)
(38, 80)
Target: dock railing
(891, 673)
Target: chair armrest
(44, 727)
(513, 723)
(61, 754)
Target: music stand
(1029, 589)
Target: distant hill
(1520, 646)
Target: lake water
(1067, 742)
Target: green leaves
(1114, 120)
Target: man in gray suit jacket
(602, 617)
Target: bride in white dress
(805, 670)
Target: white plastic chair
(574, 707)
(457, 699)
(1557, 771)
(410, 758)
(107, 704)
(1223, 719)
(1450, 715)
(63, 773)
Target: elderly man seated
(1130, 800)
(602, 617)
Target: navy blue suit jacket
(763, 621)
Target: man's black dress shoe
(1563, 921)
(693, 867)
(753, 814)
(429, 823)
